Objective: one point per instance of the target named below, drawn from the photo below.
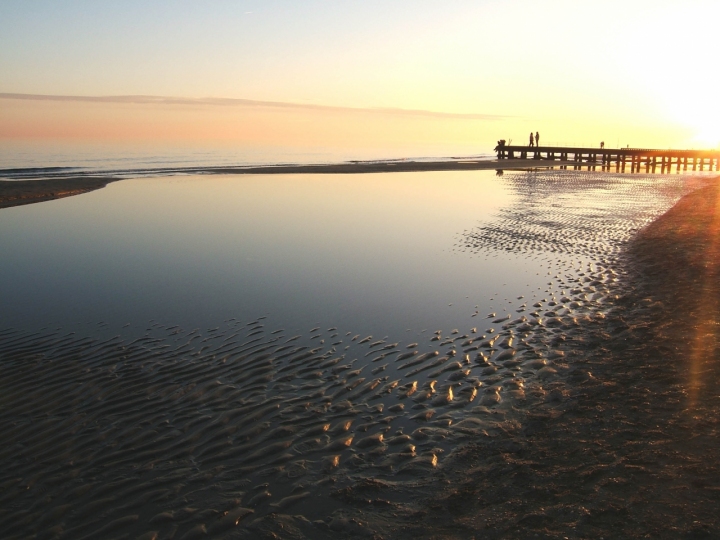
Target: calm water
(20, 159)
(373, 253)
(258, 348)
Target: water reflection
(278, 419)
(367, 251)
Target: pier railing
(637, 159)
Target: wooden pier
(635, 159)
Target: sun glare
(673, 72)
(709, 138)
(698, 111)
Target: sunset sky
(429, 74)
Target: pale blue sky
(637, 60)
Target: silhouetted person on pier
(602, 145)
(537, 138)
(532, 141)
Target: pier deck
(637, 159)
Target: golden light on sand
(707, 339)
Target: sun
(675, 76)
(695, 110)
(708, 137)
(702, 118)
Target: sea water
(28, 159)
(376, 253)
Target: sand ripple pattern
(230, 431)
(180, 433)
(576, 212)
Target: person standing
(531, 139)
(537, 138)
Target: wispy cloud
(231, 102)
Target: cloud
(232, 102)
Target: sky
(427, 74)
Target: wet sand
(41, 188)
(17, 193)
(628, 446)
(596, 414)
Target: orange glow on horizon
(264, 125)
(298, 127)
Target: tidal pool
(181, 355)
(373, 253)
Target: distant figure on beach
(537, 138)
(602, 144)
(532, 143)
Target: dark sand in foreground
(632, 450)
(619, 440)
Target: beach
(582, 405)
(629, 449)
(266, 272)
(632, 449)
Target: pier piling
(641, 159)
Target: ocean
(30, 159)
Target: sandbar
(21, 192)
(56, 186)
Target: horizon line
(141, 99)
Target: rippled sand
(173, 430)
(245, 431)
(627, 447)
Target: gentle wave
(27, 161)
(32, 173)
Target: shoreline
(629, 450)
(22, 192)
(614, 435)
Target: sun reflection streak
(705, 339)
